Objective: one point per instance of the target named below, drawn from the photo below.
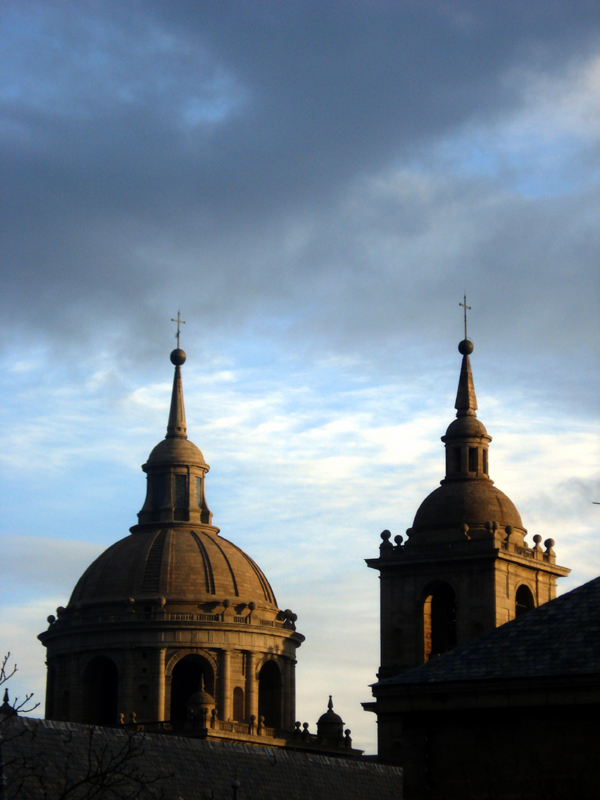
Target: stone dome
(330, 717)
(471, 502)
(176, 451)
(330, 727)
(468, 427)
(173, 621)
(467, 495)
(179, 564)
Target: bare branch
(6, 672)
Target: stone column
(127, 693)
(289, 696)
(77, 713)
(226, 712)
(251, 687)
(159, 683)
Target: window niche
(473, 459)
(524, 601)
(456, 459)
(180, 500)
(160, 484)
(238, 704)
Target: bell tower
(465, 567)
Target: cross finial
(179, 322)
(465, 306)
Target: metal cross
(179, 322)
(465, 306)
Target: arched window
(100, 691)
(188, 676)
(238, 704)
(269, 694)
(439, 619)
(524, 601)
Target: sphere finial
(465, 347)
(178, 357)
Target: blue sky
(314, 185)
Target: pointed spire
(176, 426)
(466, 438)
(466, 401)
(330, 704)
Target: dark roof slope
(561, 637)
(47, 754)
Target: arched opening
(524, 601)
(188, 676)
(100, 692)
(439, 620)
(238, 704)
(269, 694)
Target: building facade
(511, 714)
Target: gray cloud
(225, 156)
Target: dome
(330, 727)
(199, 701)
(184, 564)
(467, 427)
(471, 502)
(173, 622)
(176, 451)
(330, 717)
(466, 496)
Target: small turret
(176, 468)
(330, 727)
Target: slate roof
(561, 637)
(47, 754)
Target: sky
(314, 185)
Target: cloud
(262, 164)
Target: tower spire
(466, 401)
(176, 426)
(466, 439)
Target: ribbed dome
(470, 502)
(178, 564)
(172, 622)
